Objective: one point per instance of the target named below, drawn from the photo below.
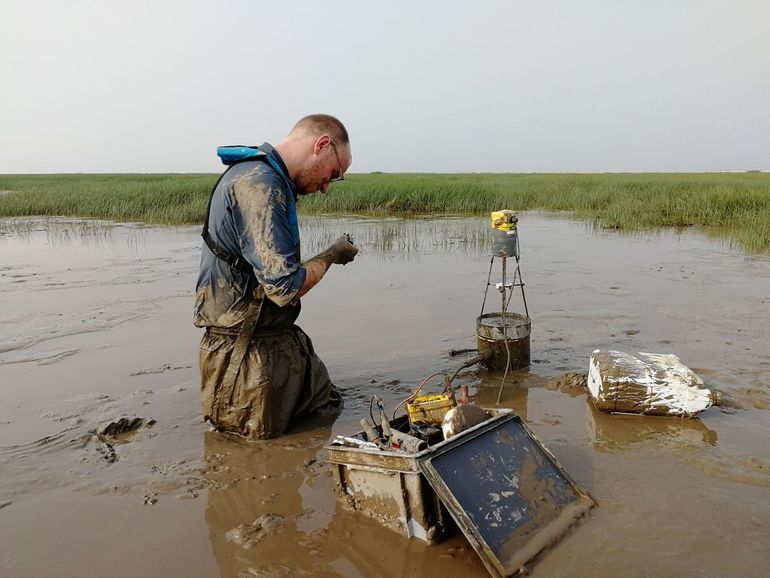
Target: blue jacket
(252, 216)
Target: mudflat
(96, 325)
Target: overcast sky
(426, 86)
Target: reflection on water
(466, 235)
(514, 395)
(399, 237)
(263, 499)
(391, 237)
(620, 432)
(58, 232)
(254, 501)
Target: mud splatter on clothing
(280, 377)
(252, 215)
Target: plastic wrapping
(649, 383)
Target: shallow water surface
(96, 324)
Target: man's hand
(343, 251)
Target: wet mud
(96, 327)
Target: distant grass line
(735, 205)
(169, 199)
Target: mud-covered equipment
(646, 383)
(426, 412)
(505, 240)
(503, 340)
(503, 337)
(496, 482)
(429, 409)
(504, 220)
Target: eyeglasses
(341, 176)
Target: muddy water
(95, 325)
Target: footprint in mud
(122, 430)
(117, 432)
(247, 535)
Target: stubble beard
(305, 180)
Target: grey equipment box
(506, 492)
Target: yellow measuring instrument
(429, 409)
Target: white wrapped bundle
(652, 383)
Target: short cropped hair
(317, 124)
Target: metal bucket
(505, 243)
(491, 337)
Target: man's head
(316, 152)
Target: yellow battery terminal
(429, 408)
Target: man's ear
(321, 143)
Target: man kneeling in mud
(258, 369)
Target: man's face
(328, 163)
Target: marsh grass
(736, 205)
(158, 198)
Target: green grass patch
(150, 198)
(734, 204)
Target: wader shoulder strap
(239, 352)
